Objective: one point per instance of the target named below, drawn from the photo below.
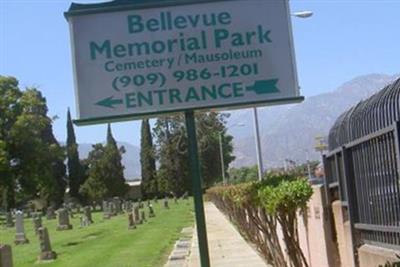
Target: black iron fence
(363, 167)
(366, 175)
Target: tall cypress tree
(58, 169)
(114, 160)
(110, 138)
(148, 164)
(75, 169)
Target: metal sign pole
(197, 188)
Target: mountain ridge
(130, 159)
(288, 132)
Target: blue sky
(342, 40)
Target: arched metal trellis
(363, 167)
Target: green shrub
(287, 196)
(257, 207)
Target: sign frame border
(76, 9)
(219, 108)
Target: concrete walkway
(227, 247)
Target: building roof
(134, 182)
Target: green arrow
(109, 102)
(264, 87)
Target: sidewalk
(226, 246)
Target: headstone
(128, 206)
(148, 202)
(69, 209)
(131, 221)
(106, 210)
(63, 220)
(45, 247)
(20, 237)
(9, 219)
(143, 216)
(5, 256)
(137, 215)
(140, 204)
(175, 200)
(50, 214)
(151, 211)
(83, 221)
(104, 205)
(185, 195)
(155, 200)
(117, 205)
(87, 214)
(166, 203)
(37, 223)
(123, 205)
(111, 208)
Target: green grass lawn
(106, 243)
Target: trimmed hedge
(258, 207)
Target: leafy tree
(76, 175)
(32, 160)
(243, 174)
(96, 186)
(170, 132)
(211, 126)
(37, 156)
(9, 110)
(147, 161)
(105, 171)
(172, 174)
(302, 169)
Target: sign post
(144, 58)
(197, 188)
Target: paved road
(227, 247)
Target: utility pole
(258, 145)
(222, 158)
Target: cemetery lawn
(106, 243)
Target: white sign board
(137, 62)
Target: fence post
(397, 144)
(339, 174)
(349, 180)
(328, 172)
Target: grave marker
(9, 219)
(46, 253)
(143, 216)
(50, 213)
(151, 211)
(5, 256)
(20, 237)
(37, 223)
(63, 220)
(106, 210)
(166, 203)
(137, 215)
(131, 221)
(87, 214)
